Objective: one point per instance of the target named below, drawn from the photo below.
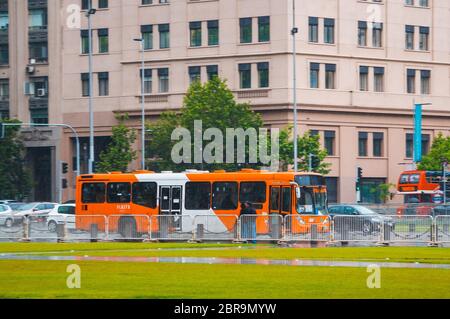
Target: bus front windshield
(305, 204)
(321, 202)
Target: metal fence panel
(307, 228)
(357, 228)
(38, 228)
(261, 227)
(409, 228)
(172, 227)
(442, 229)
(87, 227)
(215, 227)
(132, 227)
(11, 227)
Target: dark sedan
(358, 218)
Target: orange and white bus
(200, 193)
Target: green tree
(212, 103)
(119, 153)
(306, 144)
(383, 191)
(439, 152)
(15, 177)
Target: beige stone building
(361, 66)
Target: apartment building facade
(361, 66)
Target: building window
(212, 71)
(377, 35)
(163, 78)
(103, 41)
(4, 54)
(425, 81)
(147, 80)
(423, 39)
(409, 31)
(103, 84)
(378, 144)
(85, 42)
(102, 4)
(85, 84)
(37, 19)
(409, 145)
(264, 29)
(147, 36)
(313, 30)
(423, 3)
(245, 75)
(213, 32)
(330, 76)
(363, 78)
(196, 33)
(332, 189)
(245, 30)
(409, 2)
(328, 31)
(194, 74)
(411, 81)
(263, 74)
(4, 90)
(362, 144)
(86, 4)
(378, 85)
(164, 36)
(330, 137)
(362, 33)
(425, 144)
(314, 75)
(38, 51)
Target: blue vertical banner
(418, 133)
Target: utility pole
(141, 40)
(89, 14)
(294, 31)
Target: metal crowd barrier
(172, 227)
(261, 228)
(442, 229)
(384, 229)
(307, 228)
(215, 227)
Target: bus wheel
(127, 228)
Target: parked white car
(61, 214)
(36, 211)
(6, 218)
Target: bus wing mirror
(298, 192)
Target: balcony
(38, 103)
(38, 34)
(251, 94)
(4, 104)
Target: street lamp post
(89, 13)
(141, 40)
(294, 31)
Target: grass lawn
(397, 254)
(47, 279)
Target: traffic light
(64, 183)
(65, 168)
(360, 173)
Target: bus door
(280, 204)
(170, 203)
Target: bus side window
(119, 192)
(286, 201)
(198, 195)
(225, 196)
(253, 192)
(275, 199)
(144, 194)
(93, 193)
